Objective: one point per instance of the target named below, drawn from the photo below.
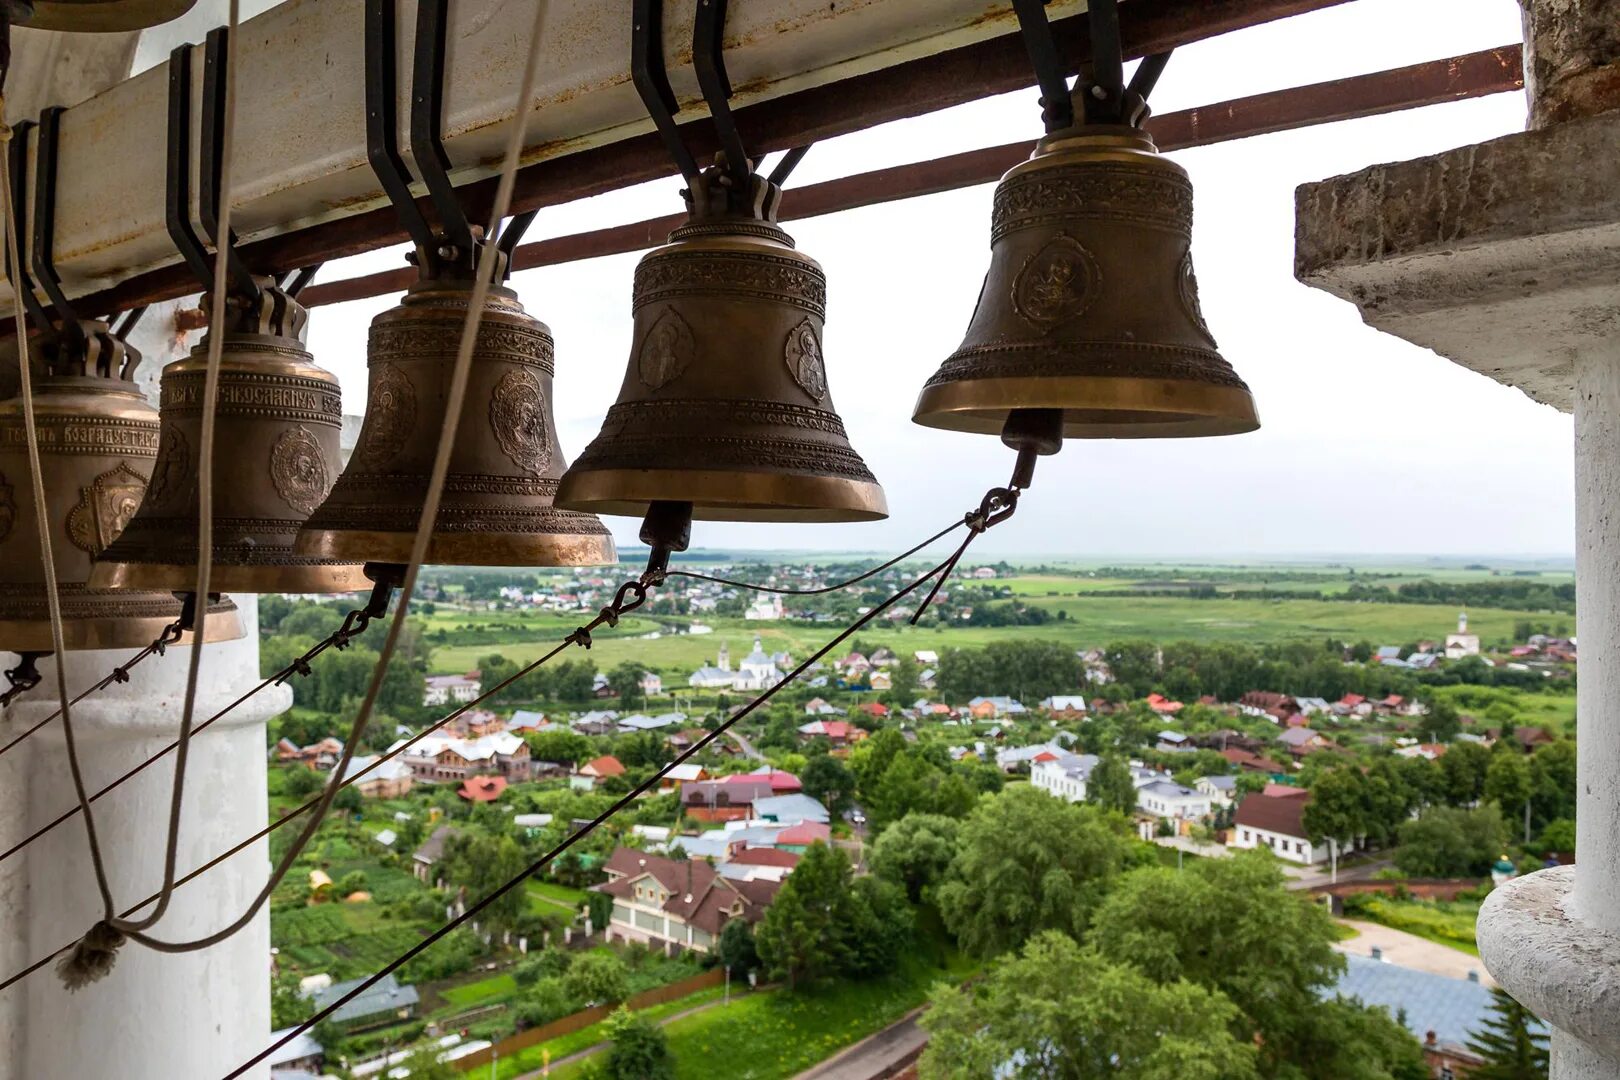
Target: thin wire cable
(53, 602)
(487, 268)
(118, 674)
(217, 316)
(575, 838)
(857, 579)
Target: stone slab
(1503, 256)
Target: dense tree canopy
(916, 851)
(824, 923)
(1450, 842)
(1058, 1012)
(1029, 862)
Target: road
(1411, 951)
(1300, 877)
(745, 746)
(876, 1055)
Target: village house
(389, 780)
(1163, 705)
(1062, 774)
(840, 733)
(1174, 742)
(482, 789)
(1277, 821)
(1164, 798)
(448, 689)
(652, 684)
(438, 758)
(1301, 741)
(322, 754)
(1065, 707)
(474, 723)
(1025, 758)
(1220, 789)
(729, 799)
(1249, 761)
(596, 722)
(425, 858)
(588, 775)
(384, 1002)
(994, 708)
(765, 608)
(677, 904)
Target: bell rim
(109, 17)
(114, 632)
(300, 576)
(449, 548)
(980, 406)
(725, 495)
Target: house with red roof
(1163, 705)
(680, 904)
(782, 783)
(1250, 762)
(731, 798)
(482, 789)
(840, 733)
(797, 838)
(593, 772)
(873, 708)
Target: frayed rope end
(92, 958)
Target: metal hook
(382, 121)
(1056, 106)
(427, 108)
(708, 57)
(210, 176)
(71, 333)
(651, 80)
(22, 281)
(1105, 103)
(177, 194)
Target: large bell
(1090, 305)
(276, 456)
(496, 507)
(97, 441)
(725, 403)
(95, 16)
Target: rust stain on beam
(1491, 71)
(910, 89)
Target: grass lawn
(476, 993)
(1446, 923)
(555, 893)
(531, 1057)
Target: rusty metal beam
(1491, 71)
(920, 86)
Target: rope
(596, 822)
(857, 579)
(53, 602)
(488, 263)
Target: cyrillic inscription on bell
(496, 507)
(97, 441)
(275, 458)
(1090, 305)
(724, 403)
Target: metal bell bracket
(76, 345)
(452, 248)
(732, 186)
(1105, 96)
(259, 303)
(386, 577)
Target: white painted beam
(300, 149)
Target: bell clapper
(666, 529)
(23, 678)
(1033, 433)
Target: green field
(1092, 621)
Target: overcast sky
(1368, 444)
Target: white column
(156, 1016)
(1552, 939)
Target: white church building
(756, 671)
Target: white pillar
(156, 1016)
(1552, 938)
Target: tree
(1464, 766)
(804, 935)
(1448, 842)
(1111, 785)
(1507, 784)
(1029, 862)
(1337, 809)
(625, 681)
(736, 949)
(916, 851)
(1346, 1040)
(1510, 1047)
(639, 1051)
(827, 780)
(545, 1001)
(1231, 926)
(300, 781)
(287, 1005)
(913, 784)
(597, 977)
(424, 1064)
(1059, 1012)
(481, 863)
(566, 747)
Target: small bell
(496, 507)
(725, 404)
(97, 441)
(276, 456)
(1090, 305)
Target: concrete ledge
(1503, 256)
(1563, 970)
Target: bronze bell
(96, 16)
(97, 441)
(1090, 305)
(276, 456)
(496, 507)
(725, 402)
